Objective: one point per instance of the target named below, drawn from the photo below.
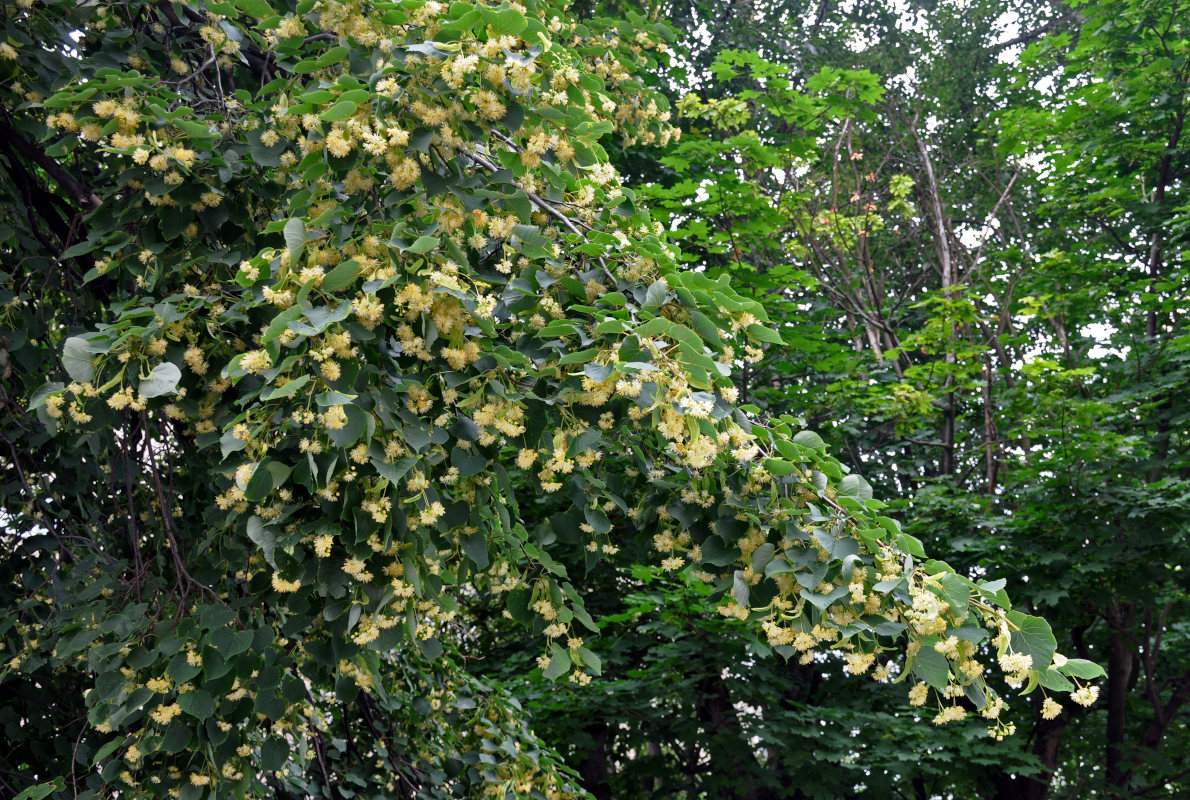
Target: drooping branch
(82, 194)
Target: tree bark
(946, 267)
(1121, 663)
(593, 767)
(1046, 747)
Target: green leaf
(259, 485)
(273, 754)
(162, 380)
(995, 591)
(518, 606)
(339, 277)
(288, 390)
(655, 294)
(230, 443)
(809, 439)
(763, 334)
(911, 545)
(295, 239)
(531, 235)
(475, 545)
(855, 486)
(240, 642)
(831, 469)
(510, 22)
(107, 750)
(839, 547)
(255, 8)
(930, 665)
(264, 536)
(705, 327)
(1054, 680)
(579, 356)
(357, 425)
(956, 591)
(468, 462)
(740, 588)
(1081, 668)
(177, 737)
(197, 703)
(424, 244)
(333, 56)
(180, 669)
(393, 472)
(590, 660)
(559, 663)
(514, 117)
(780, 467)
(1033, 637)
(344, 109)
(716, 553)
(823, 601)
(280, 323)
(76, 358)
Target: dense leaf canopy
(347, 321)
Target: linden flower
(948, 646)
(950, 714)
(1050, 708)
(859, 663)
(256, 361)
(918, 695)
(330, 370)
(184, 156)
(195, 360)
(323, 544)
(334, 418)
(163, 714)
(432, 513)
(283, 586)
(1016, 662)
(1086, 695)
(158, 685)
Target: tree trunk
(1046, 746)
(594, 765)
(1121, 663)
(947, 270)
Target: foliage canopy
(349, 321)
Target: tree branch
(77, 189)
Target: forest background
(968, 222)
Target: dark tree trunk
(593, 767)
(1121, 664)
(1046, 745)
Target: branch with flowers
(361, 363)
